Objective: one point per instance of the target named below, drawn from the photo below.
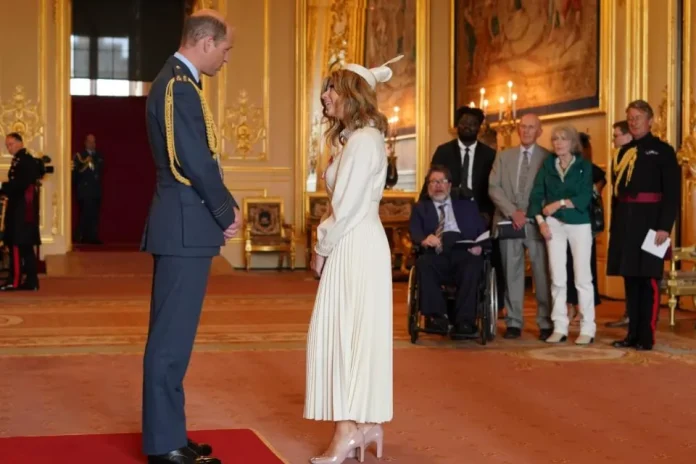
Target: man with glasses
(436, 224)
(646, 200)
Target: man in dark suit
(22, 216)
(436, 224)
(192, 214)
(468, 160)
(88, 167)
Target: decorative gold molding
(301, 110)
(63, 115)
(422, 88)
(687, 93)
(235, 127)
(21, 115)
(54, 209)
(636, 50)
(660, 125)
(244, 125)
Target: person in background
(598, 182)
(88, 167)
(22, 215)
(622, 136)
(560, 202)
(647, 192)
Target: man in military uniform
(88, 167)
(192, 214)
(646, 197)
(22, 215)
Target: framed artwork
(390, 30)
(548, 49)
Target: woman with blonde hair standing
(560, 202)
(349, 345)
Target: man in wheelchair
(438, 225)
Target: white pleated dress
(349, 344)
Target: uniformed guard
(88, 168)
(646, 191)
(22, 216)
(191, 215)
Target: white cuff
(540, 219)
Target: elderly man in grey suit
(510, 182)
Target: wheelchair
(486, 303)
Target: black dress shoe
(201, 449)
(641, 347)
(625, 343)
(512, 332)
(464, 332)
(544, 334)
(437, 324)
(182, 456)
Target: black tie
(465, 172)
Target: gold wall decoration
(338, 41)
(54, 209)
(20, 115)
(244, 126)
(660, 127)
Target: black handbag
(597, 213)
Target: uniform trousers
(178, 289)
(643, 307)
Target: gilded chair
(265, 230)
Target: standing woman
(598, 182)
(349, 344)
(560, 203)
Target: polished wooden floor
(71, 360)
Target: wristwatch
(563, 204)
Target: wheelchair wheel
(412, 303)
(491, 303)
(482, 306)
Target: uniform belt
(644, 197)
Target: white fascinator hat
(373, 75)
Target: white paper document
(484, 236)
(650, 247)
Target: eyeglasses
(438, 182)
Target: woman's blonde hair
(569, 133)
(359, 102)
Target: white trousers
(579, 236)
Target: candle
(485, 105)
(483, 92)
(500, 109)
(509, 84)
(514, 106)
(472, 105)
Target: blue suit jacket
(184, 220)
(425, 218)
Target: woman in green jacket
(560, 203)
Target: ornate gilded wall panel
(34, 101)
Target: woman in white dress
(349, 344)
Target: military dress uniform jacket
(22, 216)
(87, 174)
(646, 196)
(184, 220)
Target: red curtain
(118, 123)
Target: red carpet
(237, 446)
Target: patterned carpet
(71, 362)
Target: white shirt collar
(472, 147)
(529, 150)
(189, 65)
(445, 202)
